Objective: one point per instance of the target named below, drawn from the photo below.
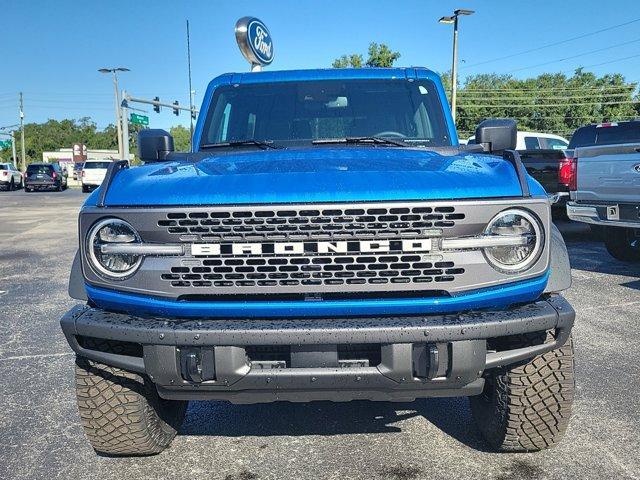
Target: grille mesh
(308, 223)
(323, 270)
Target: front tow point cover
(560, 276)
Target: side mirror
(154, 145)
(497, 134)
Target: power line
(576, 56)
(611, 61)
(544, 97)
(550, 105)
(630, 84)
(542, 47)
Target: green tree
(346, 61)
(551, 102)
(379, 56)
(181, 138)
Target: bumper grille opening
(110, 346)
(269, 356)
(362, 354)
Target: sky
(53, 49)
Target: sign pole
(124, 116)
(13, 149)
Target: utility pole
(454, 67)
(116, 92)
(24, 159)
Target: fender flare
(559, 264)
(76, 280)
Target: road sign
(5, 143)
(139, 119)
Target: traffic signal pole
(158, 104)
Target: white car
(10, 177)
(536, 141)
(93, 173)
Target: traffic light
(176, 111)
(193, 114)
(156, 108)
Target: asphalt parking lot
(41, 437)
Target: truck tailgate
(609, 173)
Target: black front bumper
(416, 356)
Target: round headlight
(523, 230)
(112, 231)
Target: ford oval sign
(254, 41)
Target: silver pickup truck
(605, 184)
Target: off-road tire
(620, 244)
(121, 412)
(526, 407)
(12, 186)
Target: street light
(454, 68)
(115, 71)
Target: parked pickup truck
(327, 239)
(549, 167)
(605, 184)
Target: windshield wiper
(361, 140)
(264, 144)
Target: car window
(583, 136)
(531, 143)
(91, 165)
(39, 169)
(3, 167)
(554, 143)
(300, 112)
(621, 133)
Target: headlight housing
(527, 234)
(112, 265)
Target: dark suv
(43, 176)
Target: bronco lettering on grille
(300, 248)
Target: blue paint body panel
(497, 297)
(316, 174)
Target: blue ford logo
(254, 40)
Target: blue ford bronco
(326, 239)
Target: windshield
(90, 165)
(301, 112)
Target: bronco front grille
(308, 223)
(218, 258)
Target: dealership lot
(41, 435)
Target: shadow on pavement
(593, 257)
(451, 415)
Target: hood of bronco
(315, 174)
